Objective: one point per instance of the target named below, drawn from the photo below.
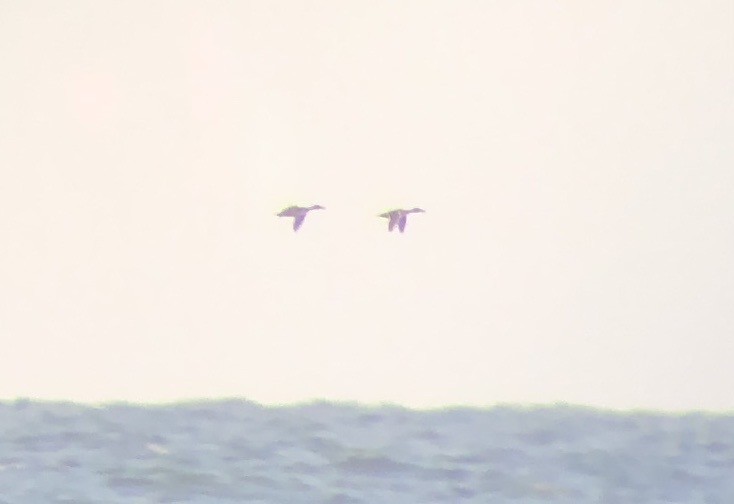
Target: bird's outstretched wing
(401, 223)
(393, 221)
(297, 221)
(287, 212)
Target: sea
(228, 451)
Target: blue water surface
(239, 451)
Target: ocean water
(238, 451)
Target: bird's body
(399, 217)
(298, 214)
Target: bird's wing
(297, 221)
(287, 212)
(401, 224)
(393, 221)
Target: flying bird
(298, 214)
(399, 217)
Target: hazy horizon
(574, 160)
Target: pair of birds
(398, 217)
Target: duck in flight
(399, 217)
(298, 214)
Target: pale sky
(576, 161)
